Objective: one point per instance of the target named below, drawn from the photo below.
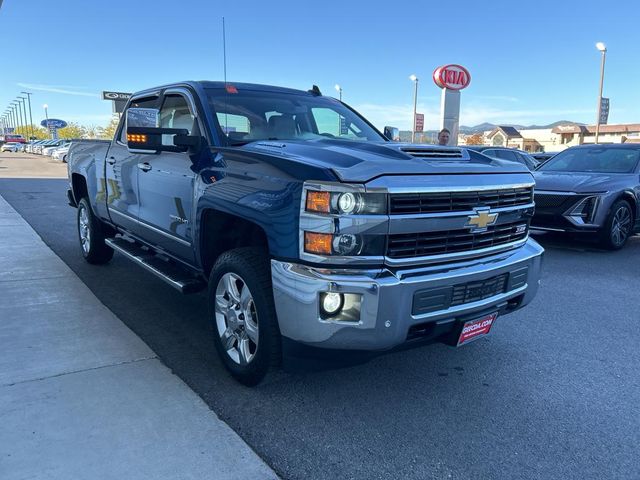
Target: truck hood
(364, 161)
(579, 182)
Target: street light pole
(414, 79)
(23, 116)
(46, 115)
(28, 94)
(603, 49)
(18, 116)
(16, 123)
(339, 90)
(24, 111)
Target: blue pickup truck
(309, 228)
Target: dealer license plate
(476, 328)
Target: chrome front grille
(422, 244)
(436, 202)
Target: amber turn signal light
(136, 138)
(318, 243)
(318, 202)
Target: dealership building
(560, 137)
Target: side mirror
(145, 136)
(392, 133)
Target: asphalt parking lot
(552, 393)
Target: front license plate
(476, 328)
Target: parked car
(31, 145)
(504, 153)
(308, 227)
(50, 149)
(592, 189)
(39, 149)
(61, 153)
(543, 156)
(10, 147)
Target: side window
(489, 153)
(234, 126)
(331, 123)
(147, 102)
(507, 155)
(175, 113)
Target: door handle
(145, 167)
(111, 160)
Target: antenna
(224, 60)
(224, 51)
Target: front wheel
(91, 236)
(242, 311)
(618, 226)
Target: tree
(93, 131)
(475, 139)
(72, 130)
(110, 130)
(38, 132)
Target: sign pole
(451, 79)
(600, 46)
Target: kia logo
(453, 77)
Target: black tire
(618, 226)
(247, 268)
(93, 248)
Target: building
(561, 137)
(570, 135)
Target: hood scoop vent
(435, 153)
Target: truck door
(120, 184)
(166, 183)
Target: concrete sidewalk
(81, 396)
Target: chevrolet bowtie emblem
(482, 219)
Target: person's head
(443, 137)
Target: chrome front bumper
(386, 314)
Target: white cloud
(63, 89)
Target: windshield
(250, 115)
(594, 159)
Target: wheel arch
(220, 231)
(630, 197)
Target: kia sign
(115, 96)
(53, 123)
(452, 77)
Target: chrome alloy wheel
(621, 225)
(83, 228)
(236, 318)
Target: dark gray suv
(593, 189)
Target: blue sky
(530, 62)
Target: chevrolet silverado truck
(306, 225)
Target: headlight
(346, 203)
(342, 223)
(586, 209)
(343, 245)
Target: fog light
(331, 302)
(346, 244)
